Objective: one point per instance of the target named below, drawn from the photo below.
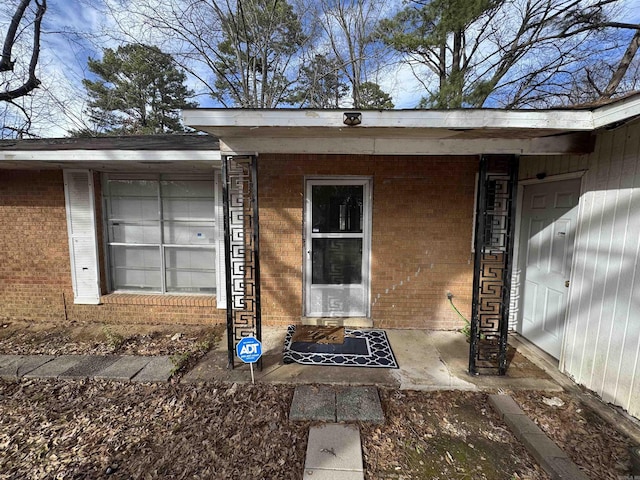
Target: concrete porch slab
(428, 360)
(421, 365)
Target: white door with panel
(337, 246)
(547, 234)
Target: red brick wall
(422, 215)
(421, 237)
(35, 273)
(34, 267)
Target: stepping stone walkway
(112, 367)
(334, 450)
(326, 403)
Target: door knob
(566, 283)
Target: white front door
(548, 227)
(337, 243)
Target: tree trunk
(623, 66)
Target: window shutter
(81, 226)
(221, 278)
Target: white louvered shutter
(221, 278)
(83, 246)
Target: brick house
(529, 219)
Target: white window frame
(217, 245)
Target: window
(161, 233)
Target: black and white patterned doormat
(361, 348)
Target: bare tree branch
(623, 66)
(6, 64)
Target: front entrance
(547, 233)
(337, 245)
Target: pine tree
(373, 97)
(138, 90)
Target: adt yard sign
(249, 350)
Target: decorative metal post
(241, 242)
(494, 239)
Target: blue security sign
(249, 349)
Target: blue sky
(74, 30)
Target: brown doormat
(318, 334)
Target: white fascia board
(619, 111)
(571, 120)
(110, 155)
(555, 145)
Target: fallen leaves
(443, 435)
(82, 429)
(593, 444)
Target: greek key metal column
(241, 241)
(494, 239)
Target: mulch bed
(99, 429)
(92, 429)
(593, 444)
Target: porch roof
(168, 153)
(412, 132)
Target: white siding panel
(81, 226)
(602, 338)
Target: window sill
(159, 300)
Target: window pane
(190, 270)
(121, 232)
(188, 218)
(188, 209)
(136, 268)
(337, 261)
(189, 233)
(337, 208)
(133, 208)
(187, 188)
(133, 188)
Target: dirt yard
(56, 429)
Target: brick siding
(421, 245)
(421, 235)
(35, 272)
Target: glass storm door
(337, 242)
